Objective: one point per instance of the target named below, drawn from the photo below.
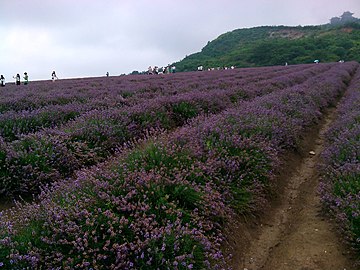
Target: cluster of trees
(343, 19)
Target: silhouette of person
(53, 76)
(26, 78)
(17, 79)
(2, 80)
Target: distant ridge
(277, 45)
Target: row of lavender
(43, 93)
(50, 154)
(340, 185)
(73, 102)
(164, 203)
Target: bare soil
(5, 204)
(294, 233)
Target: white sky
(82, 38)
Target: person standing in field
(165, 70)
(26, 78)
(2, 80)
(17, 79)
(53, 76)
(168, 69)
(150, 70)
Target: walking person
(17, 79)
(53, 76)
(2, 80)
(26, 78)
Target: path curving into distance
(296, 235)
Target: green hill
(276, 45)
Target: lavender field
(49, 131)
(145, 172)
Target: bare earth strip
(4, 205)
(295, 235)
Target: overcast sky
(82, 38)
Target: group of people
(26, 78)
(17, 79)
(164, 70)
(201, 68)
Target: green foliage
(155, 157)
(347, 185)
(270, 45)
(183, 111)
(170, 194)
(10, 128)
(149, 119)
(99, 134)
(238, 159)
(186, 244)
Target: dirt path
(295, 235)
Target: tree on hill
(346, 17)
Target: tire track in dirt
(296, 235)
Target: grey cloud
(88, 37)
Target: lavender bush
(340, 185)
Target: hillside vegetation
(277, 45)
